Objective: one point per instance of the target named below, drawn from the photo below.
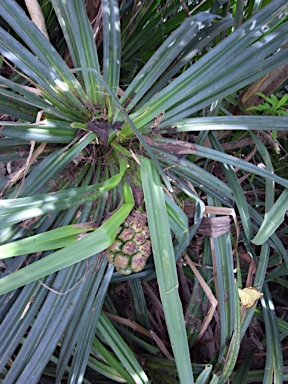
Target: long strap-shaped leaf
(94, 243)
(15, 210)
(272, 219)
(47, 131)
(112, 368)
(25, 95)
(54, 239)
(111, 43)
(196, 44)
(222, 71)
(165, 268)
(46, 68)
(164, 56)
(215, 123)
(274, 361)
(85, 47)
(121, 350)
(54, 319)
(234, 347)
(17, 110)
(89, 319)
(228, 159)
(236, 188)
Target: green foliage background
(162, 77)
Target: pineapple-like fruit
(132, 245)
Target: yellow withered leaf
(249, 296)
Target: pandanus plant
(108, 170)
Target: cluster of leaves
(272, 105)
(139, 118)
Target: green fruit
(132, 246)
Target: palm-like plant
(97, 148)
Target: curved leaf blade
(94, 243)
(272, 219)
(165, 268)
(111, 43)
